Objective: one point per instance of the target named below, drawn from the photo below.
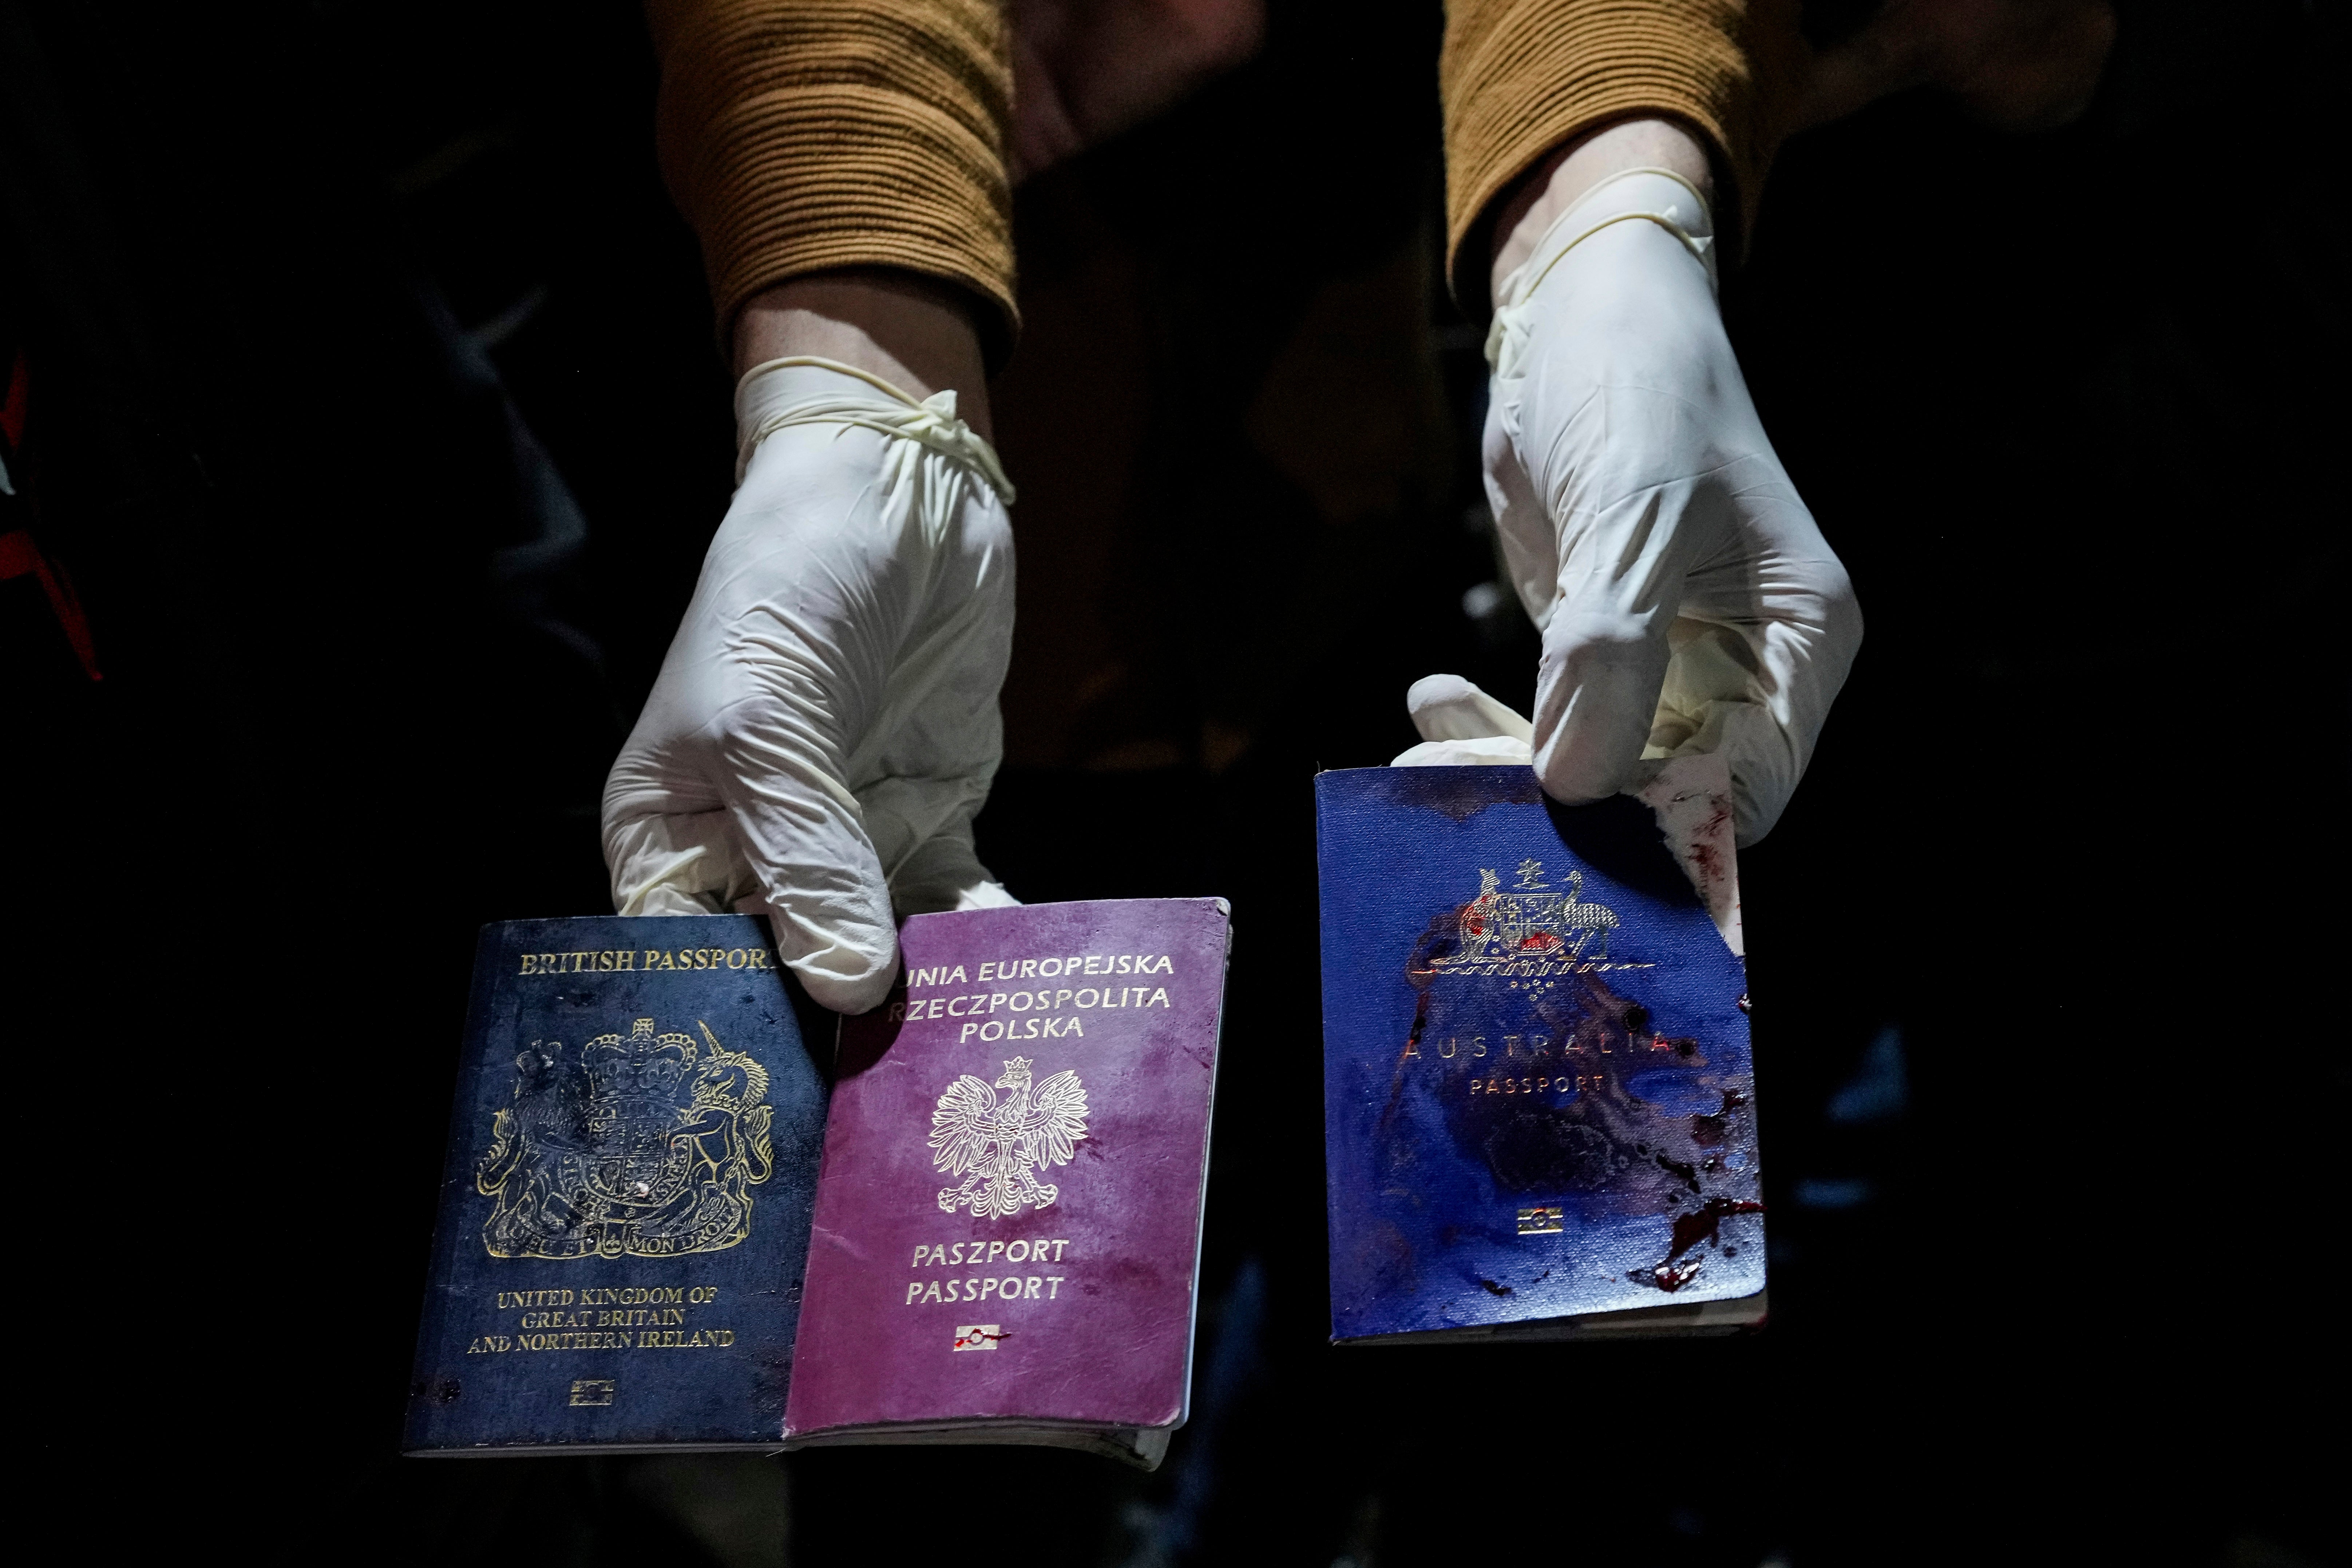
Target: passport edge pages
(664, 1323)
(1689, 801)
(1201, 1025)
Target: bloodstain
(1706, 859)
(1709, 1130)
(1700, 1225)
(1564, 1122)
(1418, 971)
(1441, 940)
(1704, 1223)
(1420, 1023)
(1666, 1276)
(1534, 1149)
(1461, 793)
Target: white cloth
(825, 726)
(1688, 602)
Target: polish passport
(1539, 1095)
(1008, 1217)
(1014, 1165)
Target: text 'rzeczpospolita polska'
(1098, 982)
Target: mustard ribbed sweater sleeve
(1520, 77)
(798, 135)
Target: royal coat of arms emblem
(999, 1145)
(641, 1145)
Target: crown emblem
(641, 1072)
(637, 1145)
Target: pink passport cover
(1008, 1214)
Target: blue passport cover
(1539, 1096)
(624, 1210)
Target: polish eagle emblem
(998, 1145)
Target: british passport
(624, 1210)
(1014, 1165)
(1540, 1096)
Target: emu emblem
(1532, 921)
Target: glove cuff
(1659, 196)
(806, 390)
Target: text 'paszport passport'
(624, 1212)
(1539, 1099)
(1007, 1235)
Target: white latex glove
(825, 725)
(1687, 600)
(1462, 726)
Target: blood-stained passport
(1540, 1096)
(1008, 1220)
(625, 1211)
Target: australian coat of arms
(636, 1146)
(999, 1145)
(1532, 921)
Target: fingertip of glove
(1447, 708)
(832, 964)
(1491, 751)
(850, 997)
(1433, 690)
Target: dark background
(377, 419)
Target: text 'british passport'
(1008, 1222)
(625, 1210)
(1539, 1097)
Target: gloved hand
(1687, 600)
(825, 725)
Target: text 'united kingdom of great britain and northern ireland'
(649, 1317)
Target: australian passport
(1539, 1093)
(640, 1141)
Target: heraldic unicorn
(639, 1145)
(998, 1145)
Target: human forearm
(1523, 79)
(911, 333)
(1556, 184)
